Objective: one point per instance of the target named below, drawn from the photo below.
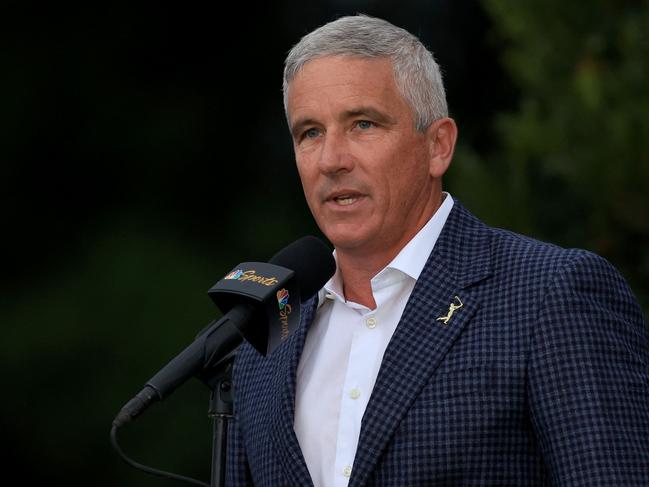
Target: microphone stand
(221, 410)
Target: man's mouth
(344, 197)
(345, 200)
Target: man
(442, 352)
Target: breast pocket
(484, 382)
(464, 408)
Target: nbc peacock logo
(282, 298)
(234, 274)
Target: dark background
(144, 153)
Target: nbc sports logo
(282, 298)
(234, 274)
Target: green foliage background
(145, 154)
(570, 162)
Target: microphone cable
(153, 471)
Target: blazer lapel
(282, 432)
(421, 340)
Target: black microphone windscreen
(311, 260)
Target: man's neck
(357, 266)
(356, 277)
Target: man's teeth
(345, 200)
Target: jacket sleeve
(588, 378)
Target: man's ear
(442, 135)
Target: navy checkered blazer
(540, 378)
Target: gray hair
(416, 73)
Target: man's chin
(349, 241)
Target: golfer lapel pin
(451, 309)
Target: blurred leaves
(570, 164)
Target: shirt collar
(410, 260)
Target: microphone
(260, 302)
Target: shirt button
(347, 471)
(371, 322)
(354, 393)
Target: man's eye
(311, 133)
(364, 124)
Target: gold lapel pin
(451, 309)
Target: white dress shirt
(342, 355)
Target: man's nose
(335, 155)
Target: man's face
(364, 168)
